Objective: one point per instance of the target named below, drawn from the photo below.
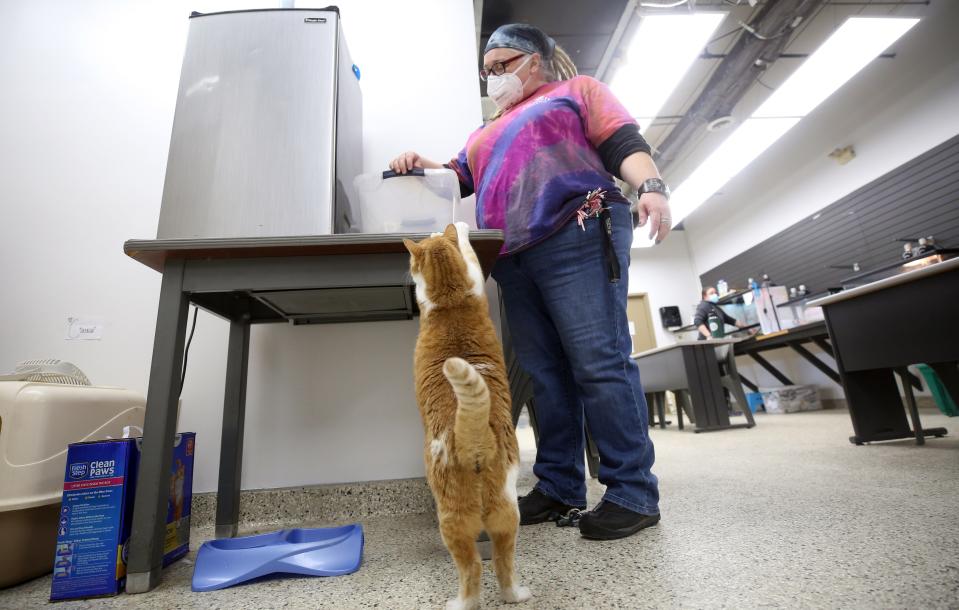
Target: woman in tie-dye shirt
(543, 172)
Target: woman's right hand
(411, 160)
(406, 162)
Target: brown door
(640, 322)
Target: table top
(681, 344)
(896, 280)
(154, 252)
(801, 332)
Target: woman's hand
(405, 162)
(411, 160)
(654, 207)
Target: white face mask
(507, 89)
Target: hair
(558, 67)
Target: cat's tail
(473, 438)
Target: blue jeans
(570, 333)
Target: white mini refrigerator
(267, 132)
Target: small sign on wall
(84, 329)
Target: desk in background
(881, 328)
(693, 368)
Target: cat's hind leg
(459, 535)
(502, 523)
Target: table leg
(748, 383)
(874, 405)
(911, 405)
(733, 383)
(520, 387)
(705, 389)
(825, 346)
(682, 404)
(660, 398)
(231, 440)
(771, 369)
(159, 430)
(533, 423)
(592, 455)
(876, 408)
(811, 358)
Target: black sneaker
(610, 521)
(537, 507)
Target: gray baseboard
(321, 503)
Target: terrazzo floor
(786, 515)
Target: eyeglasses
(498, 68)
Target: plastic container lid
(423, 201)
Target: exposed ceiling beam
(615, 39)
(478, 17)
(759, 46)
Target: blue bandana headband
(522, 37)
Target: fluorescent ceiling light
(856, 43)
(738, 150)
(850, 49)
(660, 54)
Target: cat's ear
(413, 247)
(451, 234)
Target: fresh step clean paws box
(93, 531)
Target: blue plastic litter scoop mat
(333, 551)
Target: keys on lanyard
(594, 208)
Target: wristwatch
(654, 185)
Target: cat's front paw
(515, 594)
(470, 603)
(462, 231)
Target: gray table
(693, 368)
(298, 280)
(879, 329)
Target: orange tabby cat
(472, 457)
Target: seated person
(708, 306)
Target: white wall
(893, 111)
(85, 117)
(665, 273)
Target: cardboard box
(791, 399)
(93, 531)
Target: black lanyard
(612, 263)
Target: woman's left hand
(654, 207)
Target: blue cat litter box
(331, 551)
(755, 400)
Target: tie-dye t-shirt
(532, 167)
